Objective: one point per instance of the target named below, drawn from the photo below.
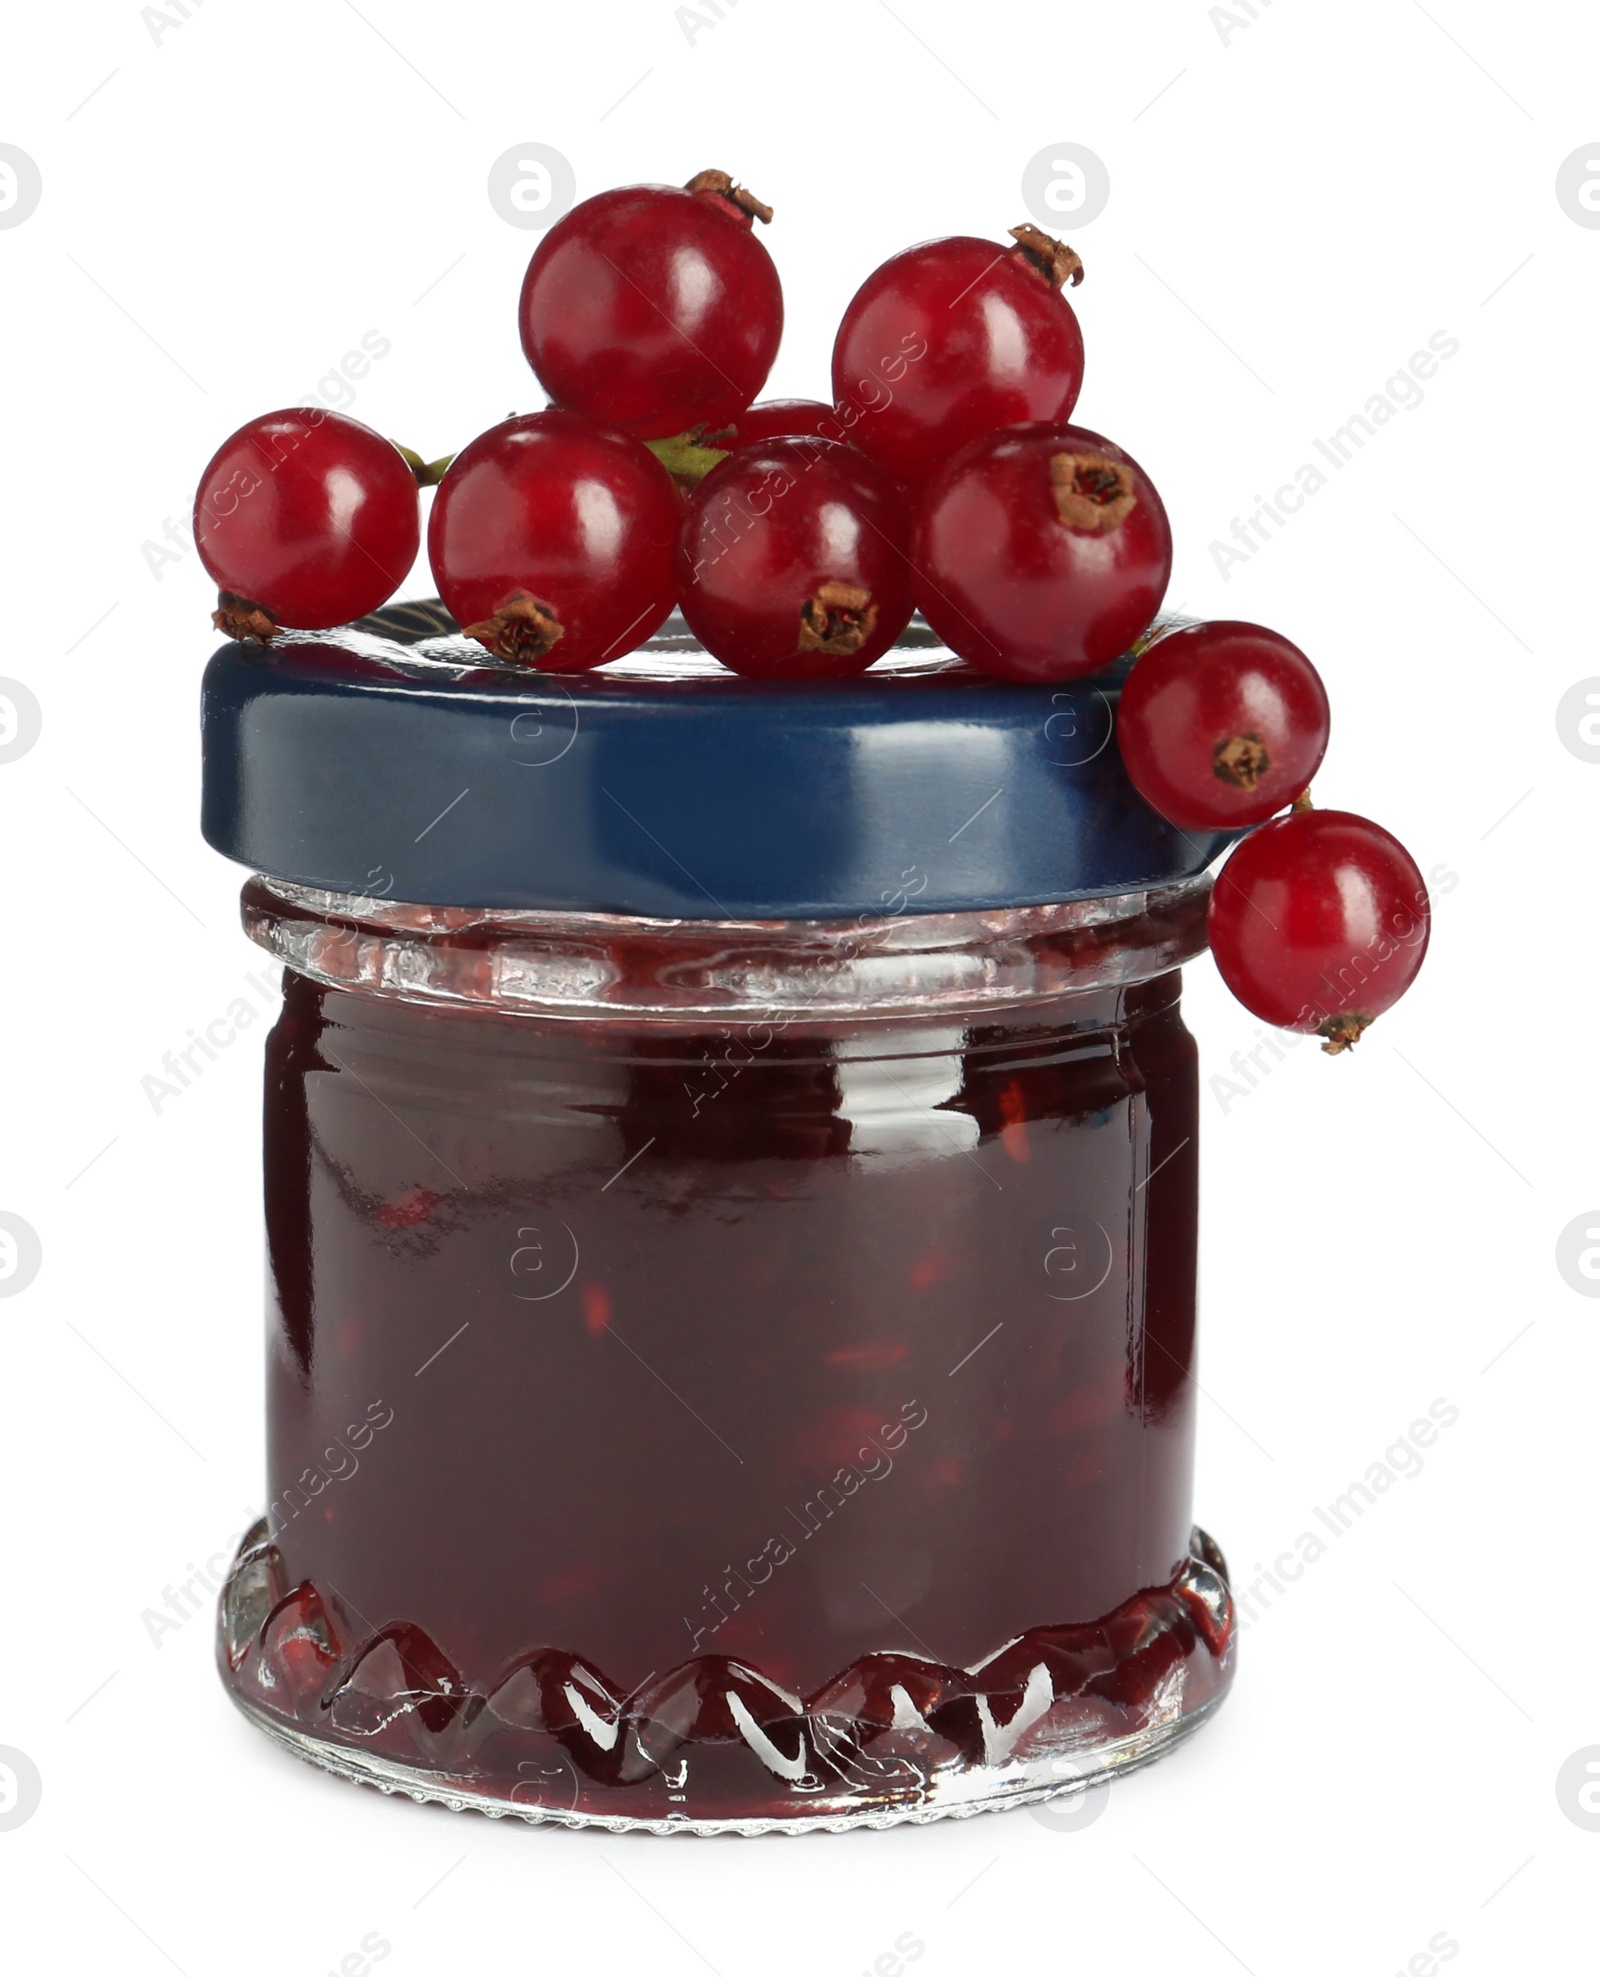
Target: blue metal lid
(383, 760)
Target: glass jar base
(714, 1747)
(959, 1797)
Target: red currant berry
(1221, 725)
(551, 541)
(690, 456)
(1319, 922)
(1041, 552)
(949, 340)
(654, 308)
(307, 519)
(779, 418)
(791, 561)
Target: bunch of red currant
(799, 536)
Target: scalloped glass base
(957, 1796)
(714, 1746)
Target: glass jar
(729, 1374)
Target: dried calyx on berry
(521, 632)
(1092, 492)
(1339, 1033)
(1047, 256)
(1241, 760)
(838, 618)
(242, 618)
(739, 200)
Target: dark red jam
(683, 1419)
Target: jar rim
(894, 963)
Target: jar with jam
(730, 1181)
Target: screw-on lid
(384, 760)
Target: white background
(1297, 203)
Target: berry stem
(686, 456)
(1303, 800)
(428, 473)
(1048, 257)
(739, 201)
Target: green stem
(686, 456)
(428, 473)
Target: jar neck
(896, 963)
